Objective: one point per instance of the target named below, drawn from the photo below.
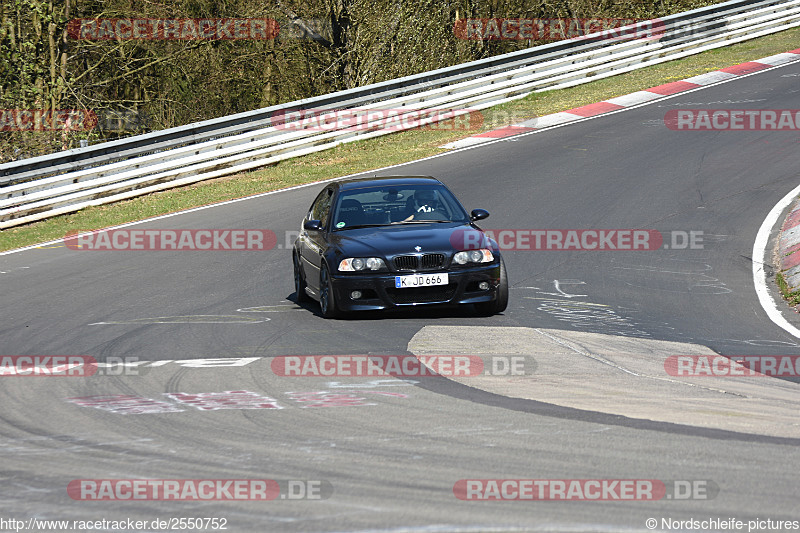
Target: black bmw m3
(395, 242)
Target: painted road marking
(271, 308)
(187, 319)
(124, 404)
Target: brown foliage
(323, 46)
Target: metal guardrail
(54, 184)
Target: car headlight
(356, 264)
(375, 263)
(473, 256)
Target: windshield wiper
(357, 226)
(424, 221)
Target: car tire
(327, 301)
(299, 281)
(499, 304)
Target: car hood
(388, 241)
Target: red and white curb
(628, 100)
(789, 248)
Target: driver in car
(423, 201)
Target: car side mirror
(312, 225)
(479, 214)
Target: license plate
(420, 280)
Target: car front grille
(405, 262)
(432, 261)
(419, 262)
(441, 293)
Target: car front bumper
(379, 292)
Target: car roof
(396, 181)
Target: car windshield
(405, 204)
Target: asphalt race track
(389, 455)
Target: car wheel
(299, 281)
(327, 302)
(501, 300)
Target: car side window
(321, 208)
(313, 208)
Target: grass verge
(389, 150)
(792, 297)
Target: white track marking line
(759, 256)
